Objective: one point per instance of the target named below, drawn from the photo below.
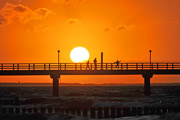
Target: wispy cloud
(72, 21)
(119, 28)
(3, 2)
(37, 28)
(108, 29)
(11, 13)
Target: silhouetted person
(95, 64)
(87, 65)
(117, 63)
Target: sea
(93, 96)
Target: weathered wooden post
(112, 112)
(99, 112)
(106, 112)
(93, 113)
(118, 112)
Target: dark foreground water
(94, 96)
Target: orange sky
(33, 30)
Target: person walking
(95, 64)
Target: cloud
(73, 21)
(107, 29)
(11, 13)
(67, 1)
(37, 28)
(121, 27)
(3, 2)
(2, 20)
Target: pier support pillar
(55, 85)
(147, 77)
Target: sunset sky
(31, 31)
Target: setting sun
(79, 54)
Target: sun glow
(79, 54)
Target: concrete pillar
(55, 85)
(147, 78)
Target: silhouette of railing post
(106, 66)
(44, 66)
(33, 66)
(172, 66)
(65, 66)
(80, 66)
(142, 66)
(2, 67)
(75, 66)
(111, 66)
(136, 66)
(29, 66)
(157, 66)
(167, 66)
(13, 67)
(17, 66)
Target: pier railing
(90, 66)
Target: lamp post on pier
(150, 55)
(150, 58)
(58, 58)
